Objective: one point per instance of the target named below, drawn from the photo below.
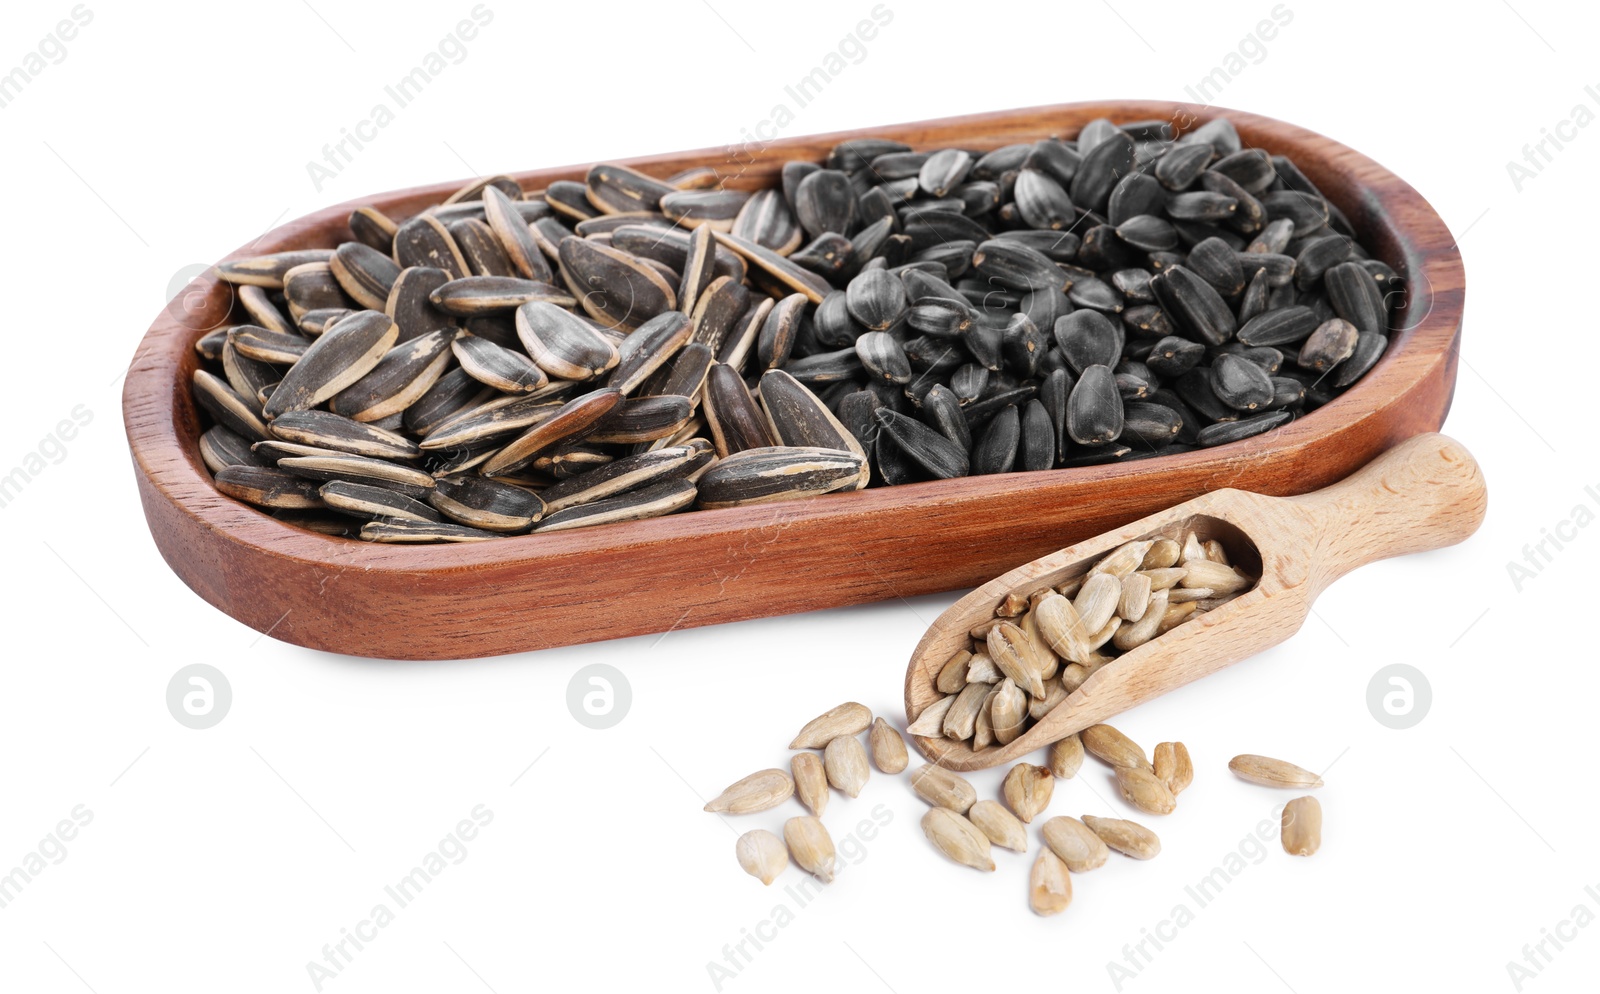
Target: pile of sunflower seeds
(841, 765)
(1042, 645)
(628, 346)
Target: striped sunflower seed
(340, 357)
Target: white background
(225, 859)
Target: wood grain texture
(1425, 493)
(707, 567)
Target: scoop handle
(1425, 493)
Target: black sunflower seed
(1234, 431)
(1369, 349)
(1102, 167)
(1194, 304)
(1333, 342)
(1151, 423)
(1240, 383)
(934, 452)
(1094, 408)
(1355, 296)
(824, 201)
(1182, 165)
(876, 299)
(996, 448)
(1279, 327)
(1036, 449)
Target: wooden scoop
(1425, 493)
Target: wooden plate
(706, 567)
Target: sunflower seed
(796, 417)
(330, 431)
(757, 476)
(1302, 826)
(759, 791)
(1333, 342)
(810, 781)
(1126, 837)
(486, 504)
(943, 789)
(811, 846)
(762, 855)
(1240, 383)
(735, 421)
(401, 378)
(1112, 747)
(845, 762)
(1270, 772)
(998, 825)
(1173, 767)
(959, 839)
(269, 270)
(338, 358)
(1075, 843)
(766, 220)
(651, 501)
(572, 421)
(364, 500)
(1139, 786)
(1065, 757)
(888, 748)
(1027, 790)
(267, 487)
(400, 531)
(930, 722)
(1049, 885)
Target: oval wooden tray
(706, 567)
